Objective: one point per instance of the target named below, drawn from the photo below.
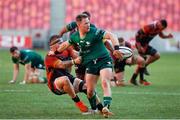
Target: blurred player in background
(119, 65)
(95, 57)
(33, 64)
(145, 35)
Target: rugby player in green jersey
(32, 63)
(95, 58)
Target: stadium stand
(126, 14)
(25, 14)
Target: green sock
(92, 102)
(107, 101)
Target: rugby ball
(127, 52)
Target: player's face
(16, 54)
(159, 25)
(84, 25)
(54, 47)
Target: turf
(161, 100)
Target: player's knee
(104, 83)
(141, 62)
(65, 80)
(157, 56)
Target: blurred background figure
(32, 63)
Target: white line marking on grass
(114, 92)
(147, 93)
(17, 91)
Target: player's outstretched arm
(15, 72)
(63, 46)
(114, 40)
(63, 31)
(162, 35)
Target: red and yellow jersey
(151, 29)
(51, 62)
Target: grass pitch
(161, 100)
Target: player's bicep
(63, 46)
(58, 64)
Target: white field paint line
(114, 92)
(148, 93)
(20, 91)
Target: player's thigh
(106, 74)
(91, 81)
(119, 75)
(60, 82)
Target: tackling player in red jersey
(60, 81)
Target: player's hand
(170, 36)
(77, 60)
(51, 52)
(118, 54)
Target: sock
(81, 88)
(141, 72)
(134, 76)
(76, 99)
(92, 102)
(107, 101)
(99, 106)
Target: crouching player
(119, 65)
(33, 65)
(134, 60)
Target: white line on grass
(114, 92)
(147, 93)
(17, 91)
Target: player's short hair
(12, 49)
(164, 23)
(55, 39)
(120, 39)
(80, 17)
(87, 13)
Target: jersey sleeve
(51, 61)
(14, 60)
(27, 59)
(100, 34)
(71, 40)
(71, 26)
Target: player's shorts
(39, 64)
(80, 71)
(94, 66)
(150, 51)
(56, 74)
(119, 66)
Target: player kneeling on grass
(128, 59)
(33, 64)
(133, 60)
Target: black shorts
(80, 71)
(119, 66)
(58, 73)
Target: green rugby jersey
(29, 56)
(91, 46)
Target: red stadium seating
(24, 14)
(126, 14)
